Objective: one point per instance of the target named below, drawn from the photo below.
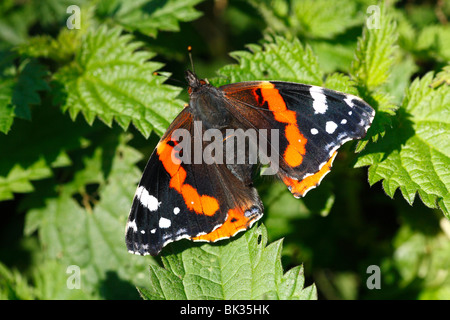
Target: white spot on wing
(164, 223)
(320, 100)
(147, 200)
(330, 126)
(132, 225)
(348, 100)
(176, 210)
(344, 121)
(314, 131)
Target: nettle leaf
(19, 89)
(18, 179)
(113, 80)
(310, 18)
(51, 12)
(277, 59)
(60, 49)
(322, 18)
(92, 236)
(434, 40)
(30, 80)
(282, 59)
(55, 281)
(63, 47)
(14, 286)
(283, 212)
(15, 21)
(35, 147)
(371, 68)
(422, 255)
(341, 82)
(6, 107)
(334, 56)
(149, 16)
(242, 268)
(415, 154)
(375, 52)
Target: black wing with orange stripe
(313, 122)
(176, 200)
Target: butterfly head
(193, 81)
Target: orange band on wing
(236, 221)
(200, 204)
(295, 150)
(299, 188)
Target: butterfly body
(188, 192)
(206, 105)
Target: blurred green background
(337, 231)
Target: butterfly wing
(176, 199)
(313, 122)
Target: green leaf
(322, 18)
(48, 282)
(19, 89)
(415, 154)
(91, 235)
(31, 79)
(372, 66)
(51, 12)
(6, 108)
(14, 286)
(334, 56)
(19, 179)
(282, 59)
(310, 18)
(149, 16)
(375, 52)
(399, 79)
(60, 49)
(64, 46)
(112, 80)
(243, 268)
(420, 255)
(435, 41)
(277, 59)
(35, 147)
(292, 286)
(51, 279)
(14, 22)
(341, 82)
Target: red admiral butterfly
(209, 202)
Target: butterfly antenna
(190, 58)
(168, 77)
